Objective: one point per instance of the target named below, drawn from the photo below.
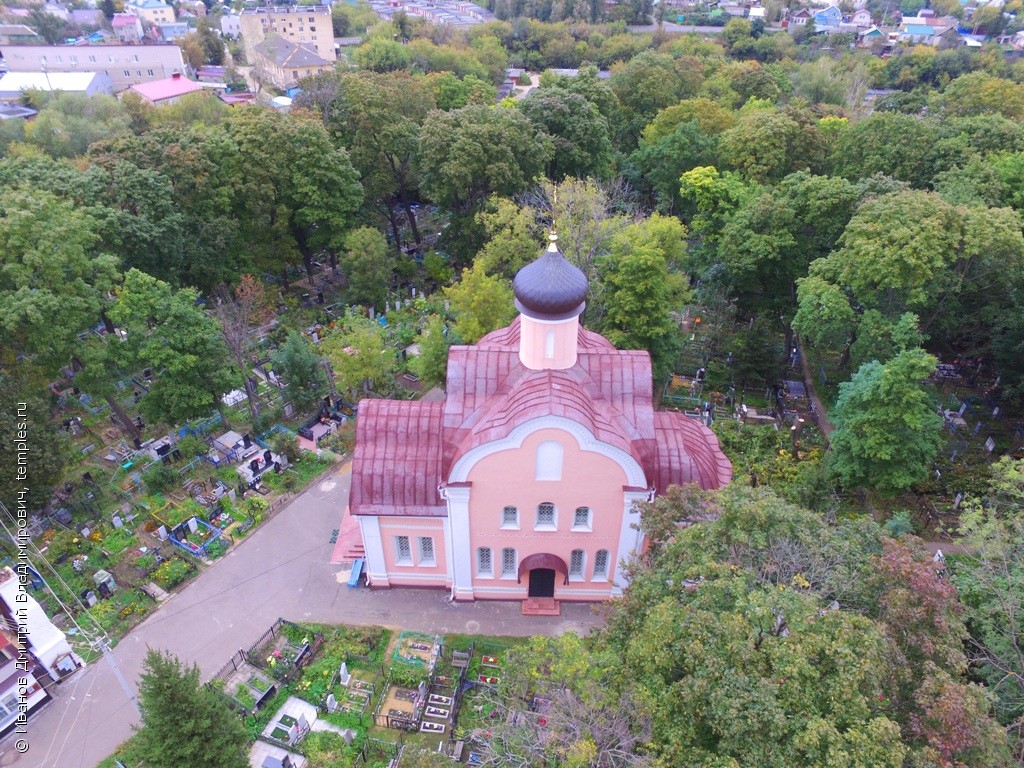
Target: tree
(305, 379)
(480, 303)
(578, 131)
(767, 145)
(167, 331)
(379, 54)
(431, 365)
(239, 312)
(639, 290)
(184, 722)
(367, 264)
(661, 161)
(49, 26)
(300, 198)
(514, 237)
(650, 82)
(69, 123)
(468, 154)
(359, 355)
(887, 433)
(900, 146)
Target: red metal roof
(404, 450)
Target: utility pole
(109, 656)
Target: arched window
(546, 515)
(508, 562)
(601, 564)
(510, 517)
(549, 461)
(581, 519)
(576, 564)
(484, 567)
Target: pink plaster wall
(507, 478)
(533, 343)
(415, 575)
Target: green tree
(359, 355)
(183, 721)
(167, 331)
(767, 145)
(300, 198)
(379, 54)
(887, 433)
(69, 123)
(468, 154)
(480, 303)
(431, 365)
(640, 290)
(661, 161)
(305, 379)
(578, 131)
(514, 237)
(367, 264)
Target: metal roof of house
(286, 54)
(167, 88)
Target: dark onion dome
(550, 288)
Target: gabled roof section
(286, 54)
(396, 465)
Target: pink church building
(521, 484)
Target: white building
(14, 84)
(48, 646)
(125, 65)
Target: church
(521, 483)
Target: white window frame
(602, 575)
(401, 559)
(546, 526)
(578, 574)
(509, 573)
(481, 571)
(586, 525)
(426, 549)
(505, 524)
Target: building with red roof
(521, 483)
(166, 91)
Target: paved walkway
(281, 570)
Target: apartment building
(125, 65)
(307, 26)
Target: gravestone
(990, 445)
(332, 703)
(289, 410)
(193, 526)
(161, 532)
(117, 521)
(90, 598)
(343, 675)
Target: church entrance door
(542, 582)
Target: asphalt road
(281, 570)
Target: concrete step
(541, 606)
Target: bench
(357, 571)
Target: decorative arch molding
(584, 438)
(543, 560)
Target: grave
(426, 727)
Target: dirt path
(812, 394)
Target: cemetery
(352, 691)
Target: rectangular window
(601, 564)
(57, 59)
(581, 519)
(403, 551)
(576, 564)
(426, 550)
(135, 58)
(510, 517)
(73, 59)
(483, 562)
(546, 515)
(508, 562)
(92, 59)
(127, 73)
(149, 72)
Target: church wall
(415, 572)
(510, 478)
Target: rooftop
(550, 286)
(15, 82)
(287, 54)
(168, 88)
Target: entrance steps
(541, 606)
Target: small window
(295, 74)
(546, 515)
(581, 519)
(312, 29)
(601, 564)
(508, 562)
(403, 550)
(127, 73)
(149, 72)
(92, 59)
(312, 18)
(73, 59)
(576, 564)
(549, 345)
(483, 562)
(57, 59)
(426, 550)
(135, 58)
(510, 517)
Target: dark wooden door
(542, 583)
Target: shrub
(191, 445)
(160, 479)
(287, 445)
(171, 573)
(899, 524)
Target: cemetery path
(281, 570)
(819, 408)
